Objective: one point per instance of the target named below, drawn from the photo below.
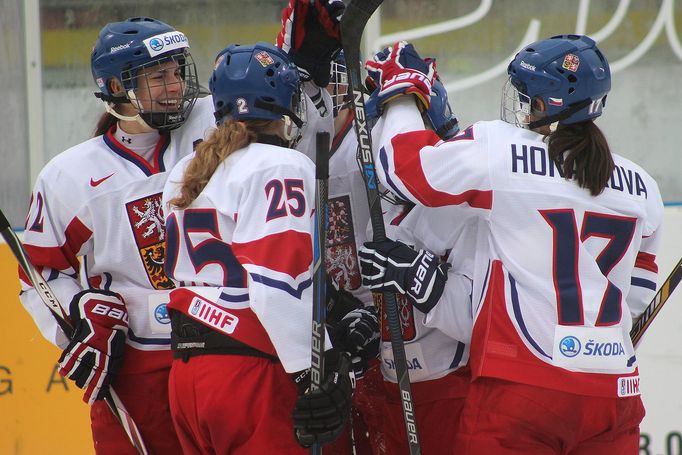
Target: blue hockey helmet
(568, 72)
(131, 48)
(257, 82)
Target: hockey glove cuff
(391, 266)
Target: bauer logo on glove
(391, 266)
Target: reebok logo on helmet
(119, 48)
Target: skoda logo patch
(156, 44)
(569, 346)
(161, 314)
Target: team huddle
(519, 252)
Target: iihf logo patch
(570, 346)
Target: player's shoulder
(267, 156)
(79, 160)
(200, 120)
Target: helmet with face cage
(130, 52)
(567, 72)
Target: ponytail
(588, 159)
(229, 137)
(104, 124)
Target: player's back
(565, 258)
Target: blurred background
(47, 85)
(47, 89)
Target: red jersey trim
(409, 170)
(646, 261)
(287, 252)
(497, 351)
(242, 324)
(59, 257)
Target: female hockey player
(95, 230)
(436, 357)
(566, 237)
(240, 228)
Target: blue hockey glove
(391, 266)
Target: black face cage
(163, 102)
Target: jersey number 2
(618, 230)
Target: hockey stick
(353, 23)
(50, 300)
(319, 275)
(656, 304)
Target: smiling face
(159, 88)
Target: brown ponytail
(588, 160)
(226, 139)
(105, 122)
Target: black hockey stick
(353, 23)
(319, 274)
(50, 300)
(656, 304)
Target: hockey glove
(311, 36)
(320, 415)
(358, 335)
(398, 71)
(391, 266)
(95, 354)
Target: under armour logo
(126, 139)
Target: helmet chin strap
(109, 106)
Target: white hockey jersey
(558, 274)
(101, 202)
(243, 250)
(432, 350)
(348, 214)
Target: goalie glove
(311, 36)
(398, 71)
(392, 266)
(95, 353)
(320, 415)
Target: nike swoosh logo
(94, 183)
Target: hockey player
(348, 220)
(95, 229)
(436, 357)
(240, 227)
(566, 238)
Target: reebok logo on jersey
(94, 183)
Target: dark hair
(105, 122)
(588, 160)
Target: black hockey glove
(358, 334)
(391, 266)
(311, 36)
(339, 303)
(320, 415)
